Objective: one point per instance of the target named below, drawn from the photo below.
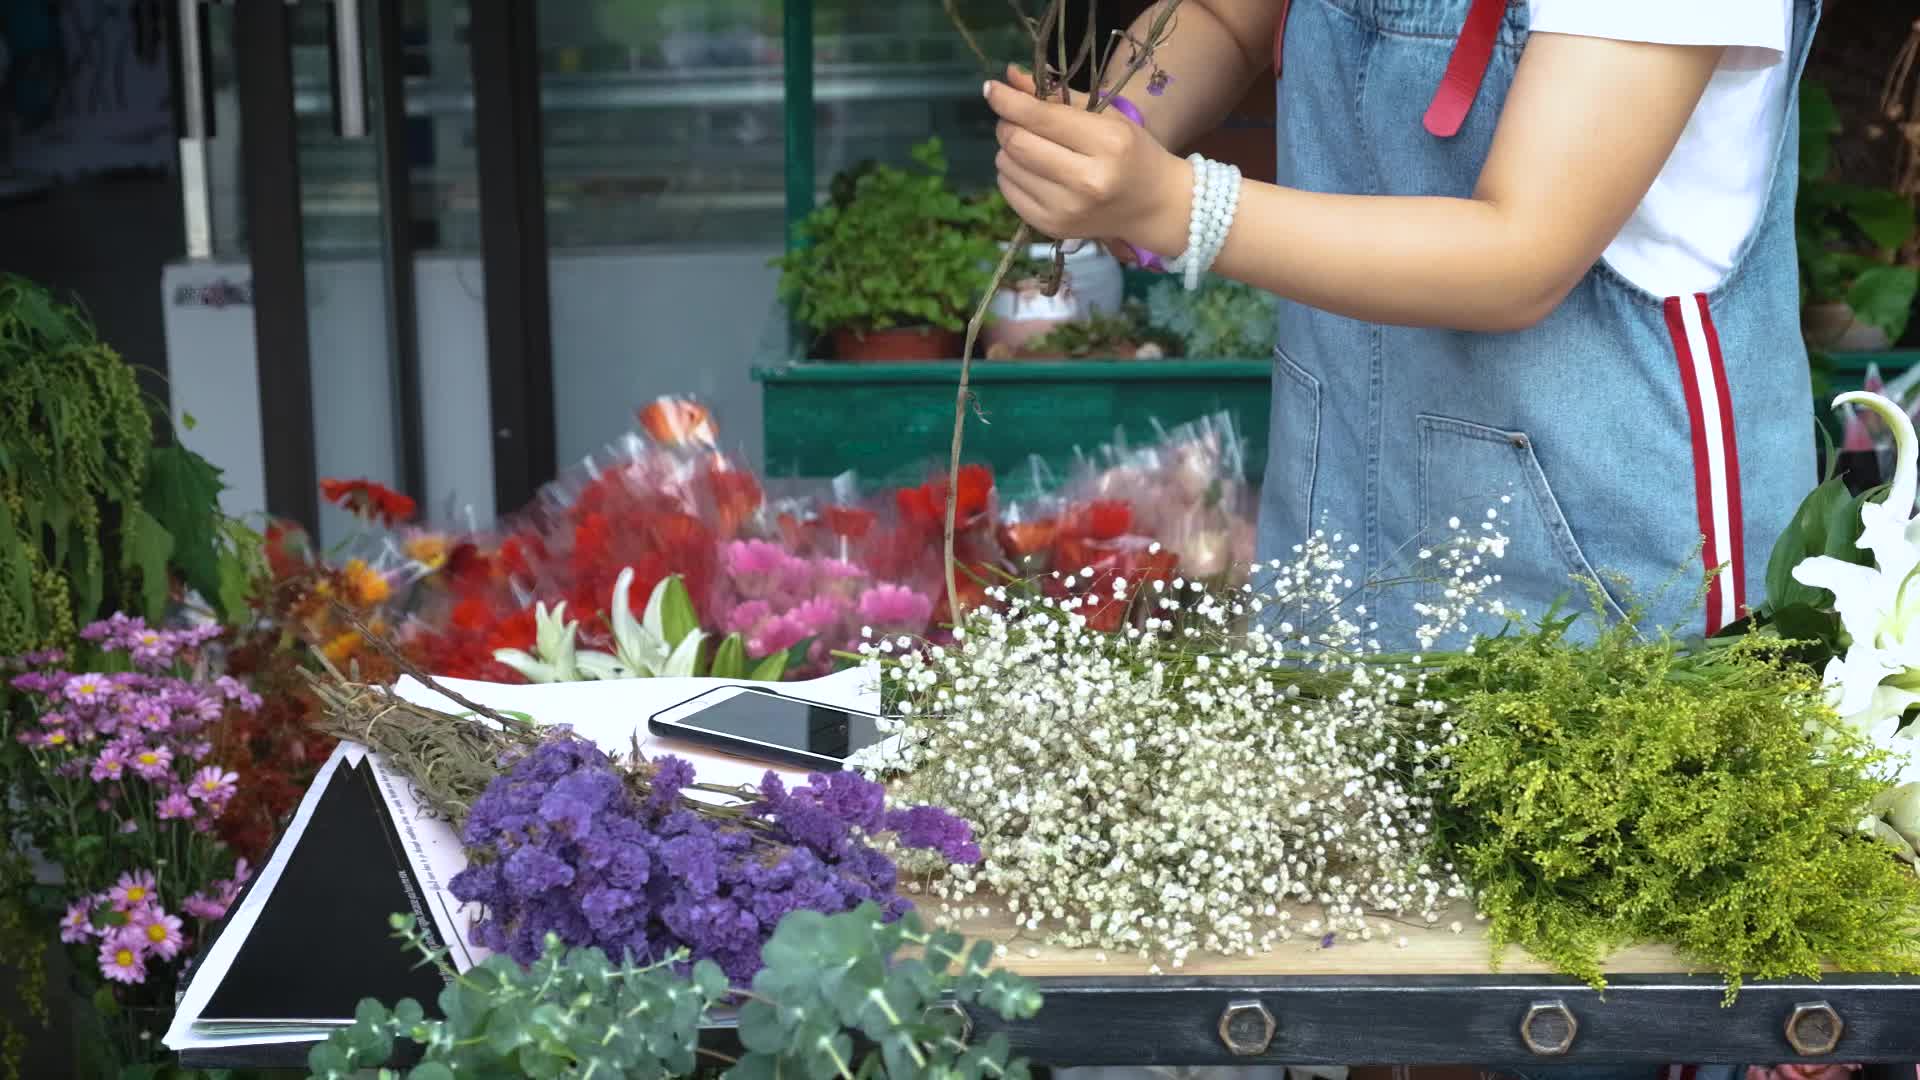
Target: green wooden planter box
(893, 423)
(1848, 371)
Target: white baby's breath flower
(1124, 803)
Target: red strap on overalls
(1466, 68)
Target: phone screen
(789, 723)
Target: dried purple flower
(562, 843)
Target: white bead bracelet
(1216, 197)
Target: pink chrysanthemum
(158, 932)
(122, 961)
(213, 784)
(204, 907)
(77, 924)
(132, 890)
(87, 689)
(110, 765)
(175, 807)
(49, 740)
(151, 762)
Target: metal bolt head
(1246, 1027)
(1814, 1029)
(950, 1016)
(1548, 1028)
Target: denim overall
(1625, 427)
(1637, 439)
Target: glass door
(330, 193)
(355, 215)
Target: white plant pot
(1094, 274)
(1021, 312)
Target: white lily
(553, 658)
(641, 648)
(1894, 817)
(1878, 679)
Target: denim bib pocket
(1293, 444)
(1466, 469)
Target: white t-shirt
(1710, 195)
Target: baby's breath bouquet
(1224, 772)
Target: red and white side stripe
(1716, 456)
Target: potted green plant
(1121, 335)
(890, 267)
(1856, 295)
(1222, 320)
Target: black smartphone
(749, 722)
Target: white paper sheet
(213, 966)
(609, 713)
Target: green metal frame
(797, 52)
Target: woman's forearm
(1587, 126)
(1211, 59)
(1463, 264)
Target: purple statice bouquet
(113, 777)
(776, 600)
(570, 842)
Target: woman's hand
(1074, 174)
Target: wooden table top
(1429, 950)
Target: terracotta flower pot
(897, 345)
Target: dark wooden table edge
(1409, 1020)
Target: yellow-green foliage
(1634, 791)
(74, 441)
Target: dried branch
(1053, 25)
(960, 411)
(953, 13)
(407, 667)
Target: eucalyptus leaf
(568, 1014)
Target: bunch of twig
(451, 759)
(1049, 78)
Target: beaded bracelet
(1216, 198)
